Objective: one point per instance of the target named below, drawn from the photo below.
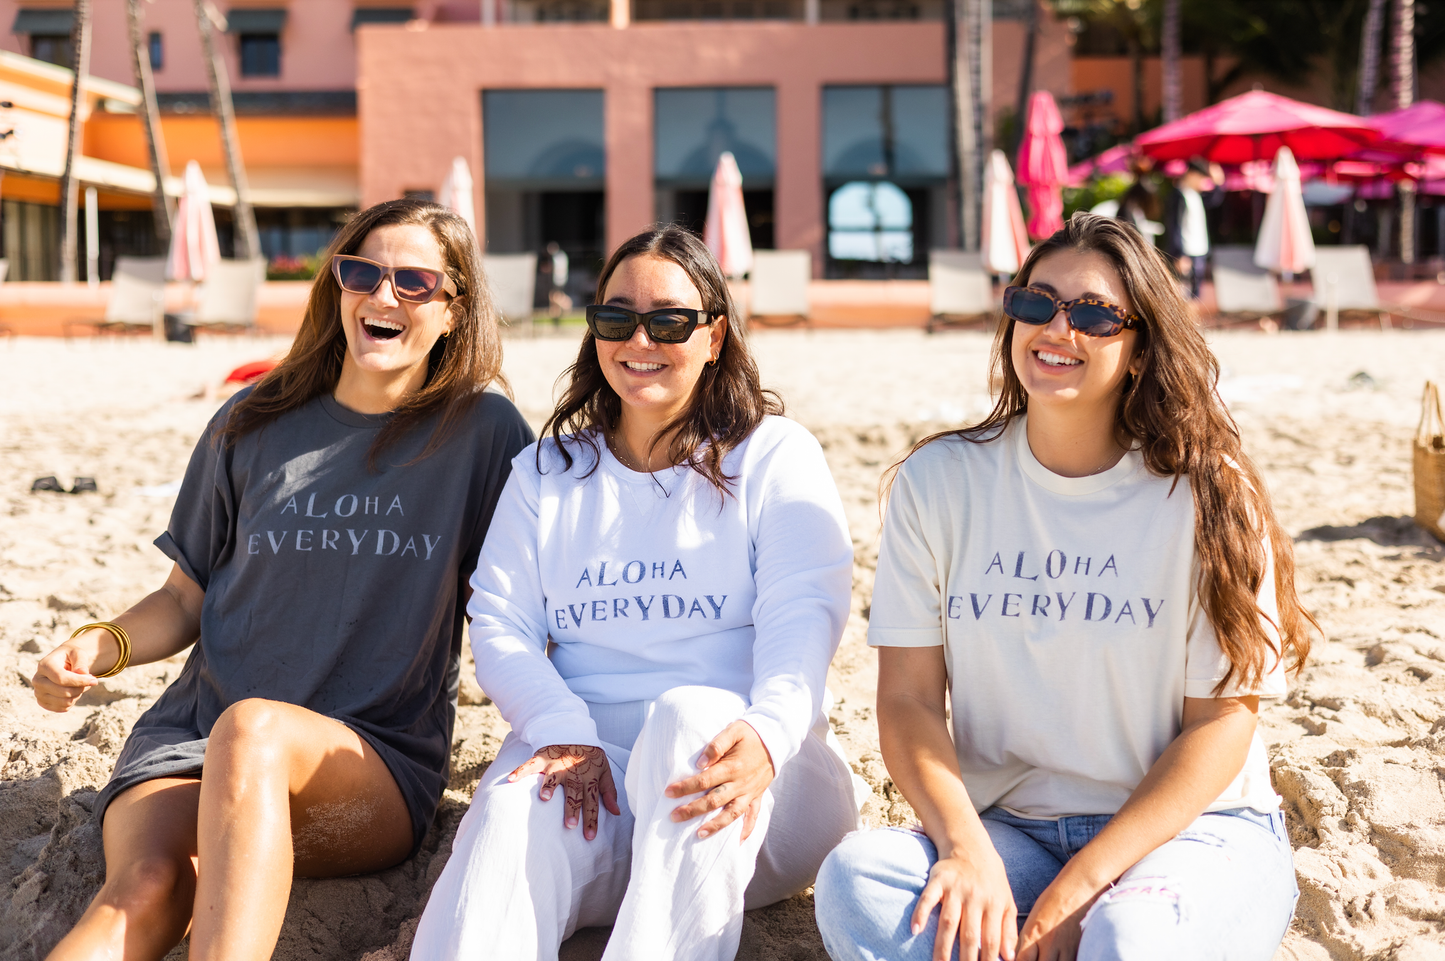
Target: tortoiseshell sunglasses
(414, 284)
(1096, 318)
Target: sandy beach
(1358, 747)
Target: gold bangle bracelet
(122, 639)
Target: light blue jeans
(1223, 888)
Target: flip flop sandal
(47, 484)
(84, 485)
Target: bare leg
(144, 906)
(285, 791)
(275, 770)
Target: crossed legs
(285, 792)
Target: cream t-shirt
(1068, 613)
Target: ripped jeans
(1223, 888)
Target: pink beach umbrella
(1285, 243)
(456, 192)
(1005, 242)
(1253, 126)
(1043, 165)
(193, 242)
(726, 229)
(1115, 160)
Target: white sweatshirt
(647, 582)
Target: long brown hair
(1172, 413)
(459, 367)
(728, 402)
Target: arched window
(870, 220)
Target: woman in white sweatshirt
(666, 579)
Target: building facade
(582, 121)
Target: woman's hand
(735, 771)
(585, 777)
(1052, 930)
(975, 908)
(66, 673)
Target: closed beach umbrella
(193, 242)
(456, 194)
(1253, 126)
(726, 229)
(1005, 242)
(1044, 165)
(1285, 243)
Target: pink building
(582, 120)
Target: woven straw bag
(1430, 464)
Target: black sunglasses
(670, 325)
(417, 285)
(1096, 318)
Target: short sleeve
(509, 435)
(906, 608)
(202, 529)
(1205, 661)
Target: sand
(1358, 747)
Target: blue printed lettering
(996, 562)
(1041, 609)
(602, 577)
(1089, 608)
(667, 607)
(696, 607)
(619, 607)
(627, 577)
(644, 608)
(576, 614)
(716, 606)
(1086, 560)
(1019, 570)
(560, 616)
(1108, 564)
(1126, 609)
(1063, 604)
(659, 569)
(602, 606)
(952, 600)
(1049, 564)
(1153, 612)
(977, 610)
(586, 578)
(1003, 611)
(676, 570)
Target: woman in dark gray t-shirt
(322, 540)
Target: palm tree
(1170, 53)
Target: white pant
(518, 883)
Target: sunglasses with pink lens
(417, 285)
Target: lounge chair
(779, 282)
(960, 291)
(137, 299)
(1344, 279)
(513, 282)
(228, 298)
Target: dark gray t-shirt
(330, 585)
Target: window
(885, 176)
(260, 55)
(363, 15)
(870, 221)
(53, 48)
(157, 50)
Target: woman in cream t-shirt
(1094, 582)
